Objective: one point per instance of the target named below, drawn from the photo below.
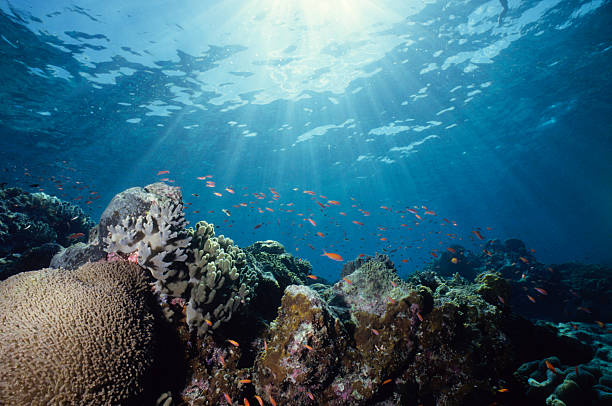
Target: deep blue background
(529, 157)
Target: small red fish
(531, 299)
(217, 194)
(313, 277)
(451, 250)
(347, 280)
(162, 172)
(419, 316)
(375, 332)
(387, 381)
(245, 381)
(359, 223)
(257, 226)
(551, 366)
(230, 190)
(259, 399)
(227, 397)
(524, 260)
(75, 235)
(503, 390)
(310, 395)
(334, 202)
(246, 402)
(308, 347)
(272, 400)
(309, 192)
(477, 233)
(311, 221)
(234, 343)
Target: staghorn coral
(82, 336)
(219, 279)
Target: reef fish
(332, 255)
(75, 235)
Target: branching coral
(160, 240)
(219, 278)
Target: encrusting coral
(83, 336)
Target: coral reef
(250, 324)
(562, 292)
(34, 227)
(558, 382)
(84, 336)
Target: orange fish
(334, 202)
(230, 190)
(222, 360)
(391, 299)
(208, 322)
(265, 346)
(551, 366)
(600, 323)
(394, 284)
(246, 402)
(434, 254)
(217, 194)
(332, 255)
(259, 399)
(310, 395)
(405, 260)
(201, 177)
(313, 277)
(524, 260)
(541, 291)
(359, 223)
(310, 192)
(75, 235)
(234, 343)
(375, 332)
(162, 172)
(320, 234)
(503, 390)
(531, 299)
(229, 400)
(245, 381)
(451, 250)
(308, 347)
(419, 316)
(272, 401)
(477, 233)
(311, 221)
(387, 381)
(347, 280)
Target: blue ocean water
(473, 118)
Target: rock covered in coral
(373, 337)
(304, 348)
(28, 221)
(84, 336)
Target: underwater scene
(306, 202)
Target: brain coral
(82, 336)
